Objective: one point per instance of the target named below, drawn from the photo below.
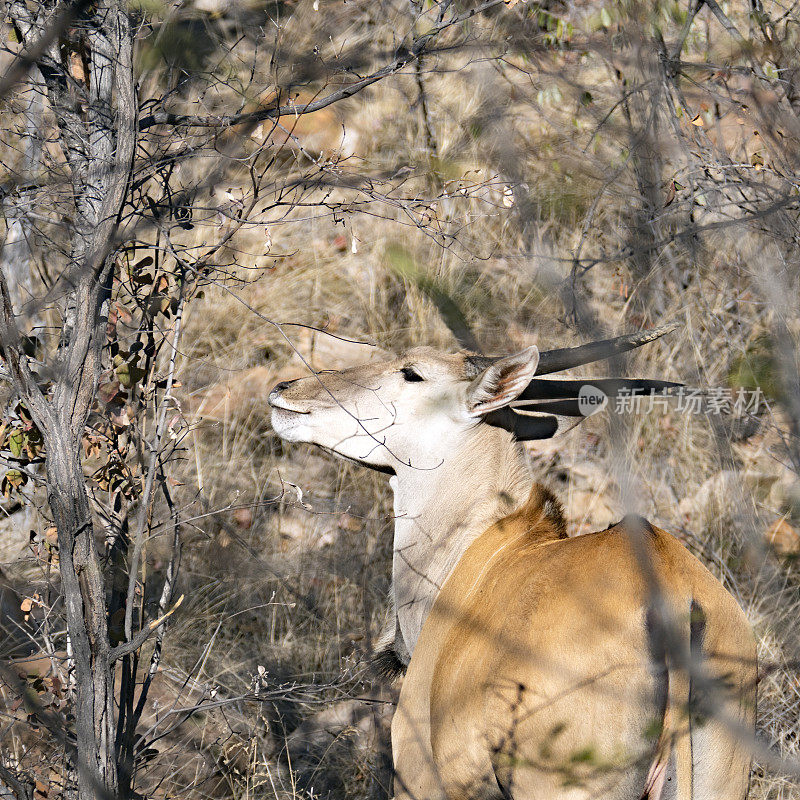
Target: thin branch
(419, 46)
(22, 790)
(733, 32)
(144, 634)
(694, 8)
(726, 23)
(166, 597)
(785, 203)
(151, 472)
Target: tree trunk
(84, 595)
(89, 79)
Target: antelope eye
(410, 375)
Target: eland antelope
(610, 665)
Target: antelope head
(379, 414)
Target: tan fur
(541, 667)
(533, 673)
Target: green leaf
(16, 441)
(129, 374)
(14, 479)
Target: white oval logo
(591, 400)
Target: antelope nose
(277, 389)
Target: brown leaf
(108, 391)
(347, 522)
(76, 67)
(670, 194)
(783, 538)
(243, 517)
(124, 316)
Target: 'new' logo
(591, 400)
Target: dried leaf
(783, 538)
(670, 194)
(121, 417)
(347, 522)
(12, 481)
(108, 391)
(243, 517)
(76, 67)
(158, 305)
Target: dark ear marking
(525, 427)
(410, 375)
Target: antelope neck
(440, 512)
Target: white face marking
(405, 412)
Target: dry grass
(316, 621)
(298, 585)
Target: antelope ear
(502, 382)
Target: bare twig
(405, 56)
(143, 635)
(155, 454)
